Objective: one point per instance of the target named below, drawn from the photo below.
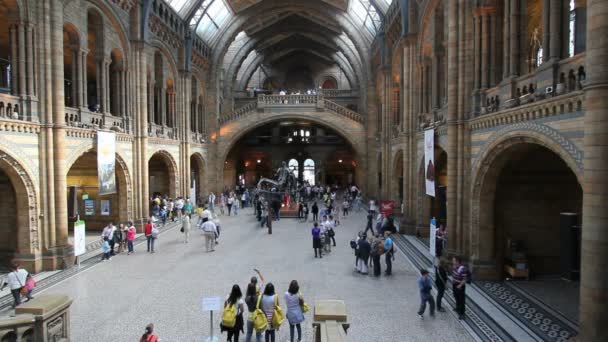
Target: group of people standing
(267, 304)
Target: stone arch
(26, 242)
(197, 161)
(354, 133)
(172, 171)
(485, 176)
(326, 80)
(123, 176)
(112, 16)
(164, 50)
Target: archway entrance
(84, 199)
(526, 188)
(318, 153)
(197, 177)
(8, 220)
(161, 175)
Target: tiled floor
(115, 300)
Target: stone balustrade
(9, 107)
(277, 103)
(161, 131)
(281, 100)
(198, 138)
(83, 118)
(567, 103)
(339, 92)
(43, 319)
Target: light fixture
(339, 161)
(259, 161)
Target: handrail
(278, 101)
(336, 108)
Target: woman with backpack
(295, 311)
(251, 298)
(232, 318)
(269, 304)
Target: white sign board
(80, 243)
(212, 303)
(433, 236)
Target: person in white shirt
(15, 280)
(210, 231)
(108, 232)
(211, 200)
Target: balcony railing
(281, 100)
(83, 118)
(198, 138)
(9, 107)
(160, 131)
(340, 92)
(290, 102)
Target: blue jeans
(250, 330)
(291, 331)
(130, 246)
(150, 243)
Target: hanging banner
(106, 156)
(433, 236)
(387, 207)
(429, 161)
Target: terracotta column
(514, 40)
(452, 123)
(29, 44)
(59, 143)
(14, 60)
(555, 30)
(84, 103)
(594, 245)
(506, 38)
(485, 49)
(477, 50)
(75, 78)
(546, 23)
(22, 70)
(106, 71)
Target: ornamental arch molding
(27, 202)
(167, 157)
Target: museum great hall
(189, 97)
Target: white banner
(80, 243)
(432, 236)
(429, 161)
(106, 156)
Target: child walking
(425, 285)
(105, 248)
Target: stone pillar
(452, 123)
(99, 83)
(594, 245)
(163, 105)
(75, 79)
(546, 35)
(514, 40)
(506, 38)
(14, 60)
(485, 49)
(84, 101)
(555, 31)
(29, 44)
(106, 87)
(59, 143)
(477, 50)
(22, 71)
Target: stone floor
(114, 300)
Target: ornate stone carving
(164, 33)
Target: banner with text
(387, 207)
(106, 157)
(429, 161)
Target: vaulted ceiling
(246, 34)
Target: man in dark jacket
(363, 251)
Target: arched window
(309, 171)
(294, 166)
